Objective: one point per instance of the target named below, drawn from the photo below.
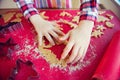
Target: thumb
(65, 37)
(40, 39)
(55, 24)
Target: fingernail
(62, 58)
(40, 44)
(60, 38)
(53, 44)
(81, 60)
(68, 61)
(74, 62)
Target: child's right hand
(45, 29)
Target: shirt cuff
(92, 16)
(28, 13)
(27, 7)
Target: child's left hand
(78, 41)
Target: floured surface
(48, 65)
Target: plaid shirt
(88, 8)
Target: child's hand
(45, 29)
(79, 39)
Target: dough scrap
(19, 15)
(16, 20)
(8, 16)
(51, 57)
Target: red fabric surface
(24, 36)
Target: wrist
(86, 24)
(36, 20)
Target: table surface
(21, 46)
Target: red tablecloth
(21, 50)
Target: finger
(79, 56)
(59, 32)
(67, 50)
(65, 37)
(54, 34)
(73, 54)
(84, 54)
(48, 37)
(55, 24)
(40, 39)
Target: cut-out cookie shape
(42, 14)
(109, 16)
(101, 27)
(65, 14)
(76, 19)
(101, 12)
(109, 24)
(102, 19)
(72, 25)
(78, 13)
(97, 33)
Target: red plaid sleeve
(88, 10)
(27, 7)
